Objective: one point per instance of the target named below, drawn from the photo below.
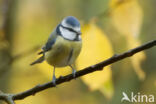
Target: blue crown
(72, 21)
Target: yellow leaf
(95, 48)
(107, 89)
(126, 16)
(138, 58)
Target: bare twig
(7, 97)
(90, 69)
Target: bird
(63, 45)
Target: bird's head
(70, 28)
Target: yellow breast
(63, 52)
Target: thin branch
(80, 73)
(7, 97)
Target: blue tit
(63, 45)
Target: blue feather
(49, 45)
(72, 21)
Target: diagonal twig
(80, 73)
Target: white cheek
(79, 38)
(67, 34)
(77, 29)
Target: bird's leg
(54, 77)
(73, 71)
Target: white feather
(67, 34)
(79, 38)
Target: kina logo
(141, 98)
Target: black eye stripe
(69, 29)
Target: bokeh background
(108, 27)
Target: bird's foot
(74, 73)
(54, 81)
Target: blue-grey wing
(49, 44)
(47, 47)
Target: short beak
(79, 32)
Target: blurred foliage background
(108, 27)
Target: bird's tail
(39, 60)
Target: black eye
(70, 29)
